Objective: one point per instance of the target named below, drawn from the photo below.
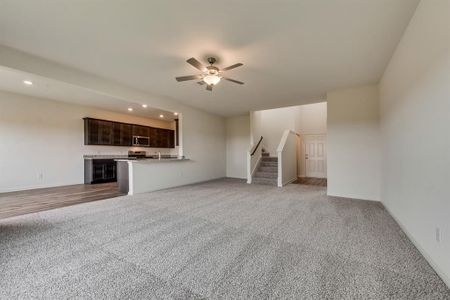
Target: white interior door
(315, 156)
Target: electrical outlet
(438, 234)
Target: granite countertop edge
(126, 157)
(152, 160)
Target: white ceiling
(293, 51)
(12, 81)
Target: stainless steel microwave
(141, 141)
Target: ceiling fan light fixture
(210, 75)
(211, 79)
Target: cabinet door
(98, 172)
(103, 170)
(104, 132)
(117, 133)
(166, 139)
(160, 138)
(98, 132)
(90, 132)
(121, 134)
(126, 135)
(171, 138)
(109, 171)
(153, 136)
(139, 130)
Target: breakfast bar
(150, 174)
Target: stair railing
(253, 158)
(257, 145)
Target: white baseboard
(356, 197)
(289, 181)
(236, 177)
(428, 258)
(39, 186)
(181, 185)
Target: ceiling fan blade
(232, 67)
(209, 87)
(196, 64)
(232, 80)
(190, 77)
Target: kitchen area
(150, 145)
(96, 155)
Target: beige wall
(273, 124)
(311, 118)
(238, 143)
(43, 141)
(353, 143)
(255, 127)
(415, 133)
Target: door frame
(302, 161)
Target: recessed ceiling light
(175, 113)
(130, 109)
(161, 116)
(144, 105)
(27, 82)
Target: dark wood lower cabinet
(100, 170)
(102, 132)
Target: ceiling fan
(211, 75)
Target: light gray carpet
(222, 239)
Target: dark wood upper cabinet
(160, 138)
(90, 132)
(139, 130)
(102, 132)
(177, 136)
(171, 138)
(98, 132)
(166, 138)
(122, 134)
(153, 136)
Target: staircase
(267, 172)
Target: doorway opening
(307, 164)
(313, 159)
(312, 155)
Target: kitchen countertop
(97, 156)
(152, 160)
(126, 157)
